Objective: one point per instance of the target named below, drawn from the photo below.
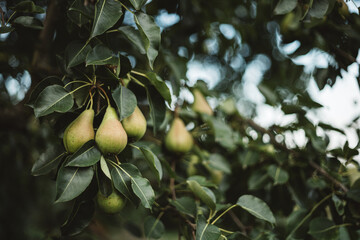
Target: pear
(111, 204)
(178, 139)
(200, 104)
(79, 131)
(135, 125)
(111, 136)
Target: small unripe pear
(80, 131)
(111, 136)
(200, 104)
(111, 204)
(135, 125)
(178, 139)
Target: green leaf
(137, 3)
(79, 13)
(104, 167)
(322, 228)
(160, 85)
(86, 156)
(185, 205)
(125, 101)
(45, 163)
(285, 6)
(269, 94)
(339, 204)
(279, 175)
(319, 8)
(150, 35)
(122, 182)
(256, 207)
(153, 228)
(27, 7)
(107, 13)
(29, 22)
(217, 161)
(133, 35)
(201, 194)
(71, 182)
(354, 191)
(79, 218)
(153, 161)
(101, 55)
(53, 99)
(75, 53)
(48, 81)
(206, 231)
(157, 107)
(178, 67)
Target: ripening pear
(111, 136)
(200, 104)
(178, 139)
(80, 131)
(135, 125)
(111, 204)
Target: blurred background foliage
(233, 40)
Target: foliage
(240, 180)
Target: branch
(238, 222)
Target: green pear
(80, 131)
(111, 136)
(135, 125)
(200, 104)
(111, 204)
(178, 139)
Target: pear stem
(223, 213)
(77, 81)
(137, 81)
(91, 98)
(139, 73)
(106, 96)
(117, 159)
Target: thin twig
(238, 222)
(2, 17)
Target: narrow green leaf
(201, 194)
(150, 35)
(86, 156)
(157, 107)
(206, 231)
(125, 101)
(153, 227)
(75, 53)
(71, 182)
(153, 161)
(122, 182)
(160, 85)
(256, 207)
(107, 13)
(53, 99)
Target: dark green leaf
(218, 162)
(256, 207)
(29, 22)
(157, 107)
(201, 194)
(122, 182)
(79, 13)
(279, 175)
(27, 7)
(160, 86)
(153, 162)
(150, 35)
(178, 66)
(75, 53)
(71, 182)
(339, 204)
(101, 55)
(53, 99)
(52, 80)
(153, 227)
(125, 101)
(206, 231)
(45, 163)
(104, 167)
(134, 37)
(107, 13)
(185, 205)
(137, 3)
(269, 94)
(285, 6)
(323, 229)
(319, 8)
(354, 191)
(86, 156)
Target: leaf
(185, 205)
(71, 182)
(29, 22)
(201, 194)
(153, 227)
(319, 8)
(104, 167)
(178, 67)
(157, 107)
(323, 228)
(134, 37)
(75, 53)
(269, 94)
(27, 7)
(206, 231)
(101, 55)
(217, 161)
(150, 35)
(79, 13)
(122, 182)
(285, 6)
(53, 99)
(160, 85)
(125, 101)
(279, 175)
(354, 191)
(45, 164)
(256, 207)
(86, 156)
(79, 218)
(107, 13)
(137, 3)
(153, 161)
(48, 81)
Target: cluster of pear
(111, 137)
(178, 140)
